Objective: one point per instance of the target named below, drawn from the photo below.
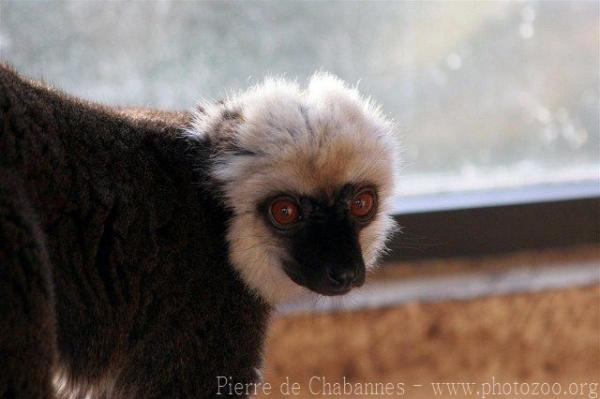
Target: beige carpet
(551, 336)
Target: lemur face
(308, 175)
(321, 235)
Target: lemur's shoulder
(39, 95)
(155, 115)
(35, 95)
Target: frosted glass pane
(484, 94)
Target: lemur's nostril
(342, 278)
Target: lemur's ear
(219, 122)
(223, 132)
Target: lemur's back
(108, 250)
(71, 153)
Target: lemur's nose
(342, 278)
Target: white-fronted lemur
(141, 252)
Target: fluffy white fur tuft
(278, 137)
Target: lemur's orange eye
(284, 212)
(363, 204)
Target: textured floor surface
(549, 336)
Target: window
(485, 94)
(496, 103)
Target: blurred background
(485, 94)
(496, 274)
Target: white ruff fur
(277, 137)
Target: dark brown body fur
(113, 262)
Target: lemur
(142, 252)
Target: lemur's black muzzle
(327, 257)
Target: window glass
(484, 94)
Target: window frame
(496, 221)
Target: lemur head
(308, 175)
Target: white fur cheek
(373, 239)
(255, 253)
